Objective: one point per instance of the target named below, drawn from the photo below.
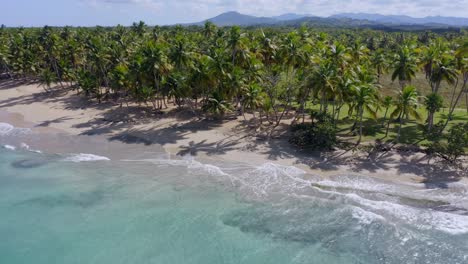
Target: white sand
(182, 133)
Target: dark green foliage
(433, 102)
(435, 133)
(454, 148)
(275, 74)
(320, 135)
(321, 117)
(216, 105)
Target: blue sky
(112, 12)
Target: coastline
(181, 133)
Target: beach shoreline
(181, 133)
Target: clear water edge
(73, 208)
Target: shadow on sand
(118, 124)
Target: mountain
(236, 18)
(345, 20)
(289, 16)
(406, 20)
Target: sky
(166, 12)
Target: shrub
(454, 148)
(316, 136)
(435, 134)
(321, 117)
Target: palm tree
(405, 106)
(139, 28)
(209, 29)
(156, 67)
(365, 98)
(379, 62)
(405, 66)
(291, 52)
(268, 50)
(433, 103)
(201, 78)
(179, 54)
(46, 79)
(216, 105)
(235, 42)
(387, 102)
(324, 79)
(339, 55)
(462, 66)
(252, 98)
(358, 52)
(441, 70)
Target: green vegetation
(391, 86)
(457, 142)
(320, 134)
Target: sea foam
(360, 194)
(84, 157)
(8, 130)
(9, 147)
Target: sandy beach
(181, 133)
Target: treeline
(269, 72)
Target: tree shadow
(6, 84)
(455, 117)
(436, 174)
(155, 135)
(214, 148)
(47, 123)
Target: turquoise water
(69, 208)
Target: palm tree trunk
(430, 121)
(452, 107)
(58, 74)
(361, 113)
(333, 109)
(388, 127)
(385, 117)
(303, 113)
(401, 124)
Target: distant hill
(289, 16)
(406, 20)
(346, 20)
(236, 18)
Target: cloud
(199, 8)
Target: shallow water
(147, 208)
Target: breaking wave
(84, 157)
(369, 200)
(9, 130)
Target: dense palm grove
(270, 73)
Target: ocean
(85, 200)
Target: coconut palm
(405, 66)
(216, 105)
(406, 106)
(440, 68)
(387, 102)
(179, 54)
(156, 67)
(234, 42)
(379, 62)
(46, 79)
(365, 100)
(433, 103)
(252, 98)
(209, 29)
(462, 67)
